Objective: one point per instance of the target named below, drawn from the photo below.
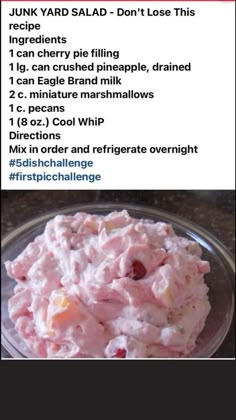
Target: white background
(195, 108)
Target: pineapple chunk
(167, 296)
(67, 313)
(109, 225)
(61, 301)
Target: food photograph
(117, 274)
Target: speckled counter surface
(213, 210)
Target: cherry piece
(120, 353)
(138, 271)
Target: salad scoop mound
(109, 286)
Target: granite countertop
(213, 210)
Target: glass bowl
(220, 280)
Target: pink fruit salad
(111, 286)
